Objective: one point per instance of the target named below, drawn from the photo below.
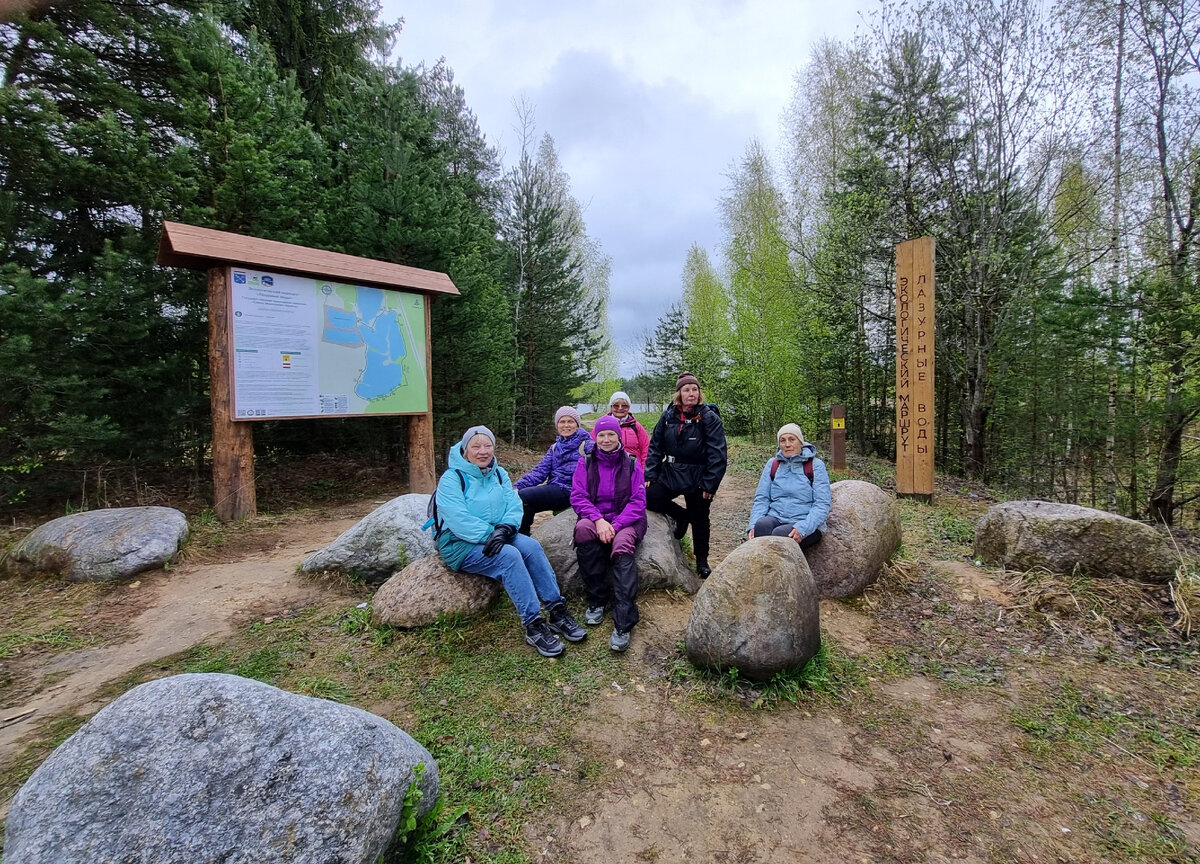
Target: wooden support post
(422, 472)
(914, 368)
(837, 437)
(422, 476)
(232, 443)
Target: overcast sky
(649, 103)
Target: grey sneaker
(593, 616)
(537, 634)
(564, 625)
(619, 640)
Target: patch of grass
(956, 529)
(827, 675)
(56, 638)
(1075, 724)
(206, 658)
(747, 457)
(356, 620)
(323, 688)
(888, 664)
(264, 665)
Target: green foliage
(273, 118)
(558, 286)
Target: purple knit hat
(609, 422)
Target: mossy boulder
(1066, 538)
(759, 612)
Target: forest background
(1052, 149)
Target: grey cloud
(648, 164)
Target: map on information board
(306, 347)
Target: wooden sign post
(296, 303)
(837, 437)
(914, 367)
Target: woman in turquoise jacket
(477, 513)
(793, 496)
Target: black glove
(495, 541)
(510, 532)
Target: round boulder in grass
(758, 612)
(101, 545)
(660, 560)
(385, 540)
(220, 768)
(864, 533)
(1065, 538)
(427, 591)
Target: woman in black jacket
(688, 458)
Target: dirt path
(178, 609)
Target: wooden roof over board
(201, 248)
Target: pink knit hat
(567, 411)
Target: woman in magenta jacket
(609, 494)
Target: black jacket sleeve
(716, 455)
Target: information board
(305, 347)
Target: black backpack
(431, 511)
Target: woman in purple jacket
(609, 494)
(548, 485)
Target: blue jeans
(521, 567)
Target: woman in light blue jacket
(793, 496)
(475, 524)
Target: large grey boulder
(427, 590)
(758, 612)
(1063, 538)
(660, 560)
(387, 539)
(864, 533)
(207, 768)
(101, 545)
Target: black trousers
(770, 525)
(660, 499)
(594, 561)
(538, 498)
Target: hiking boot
(593, 616)
(702, 568)
(538, 634)
(564, 625)
(619, 640)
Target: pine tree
(558, 320)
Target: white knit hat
(793, 428)
(619, 396)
